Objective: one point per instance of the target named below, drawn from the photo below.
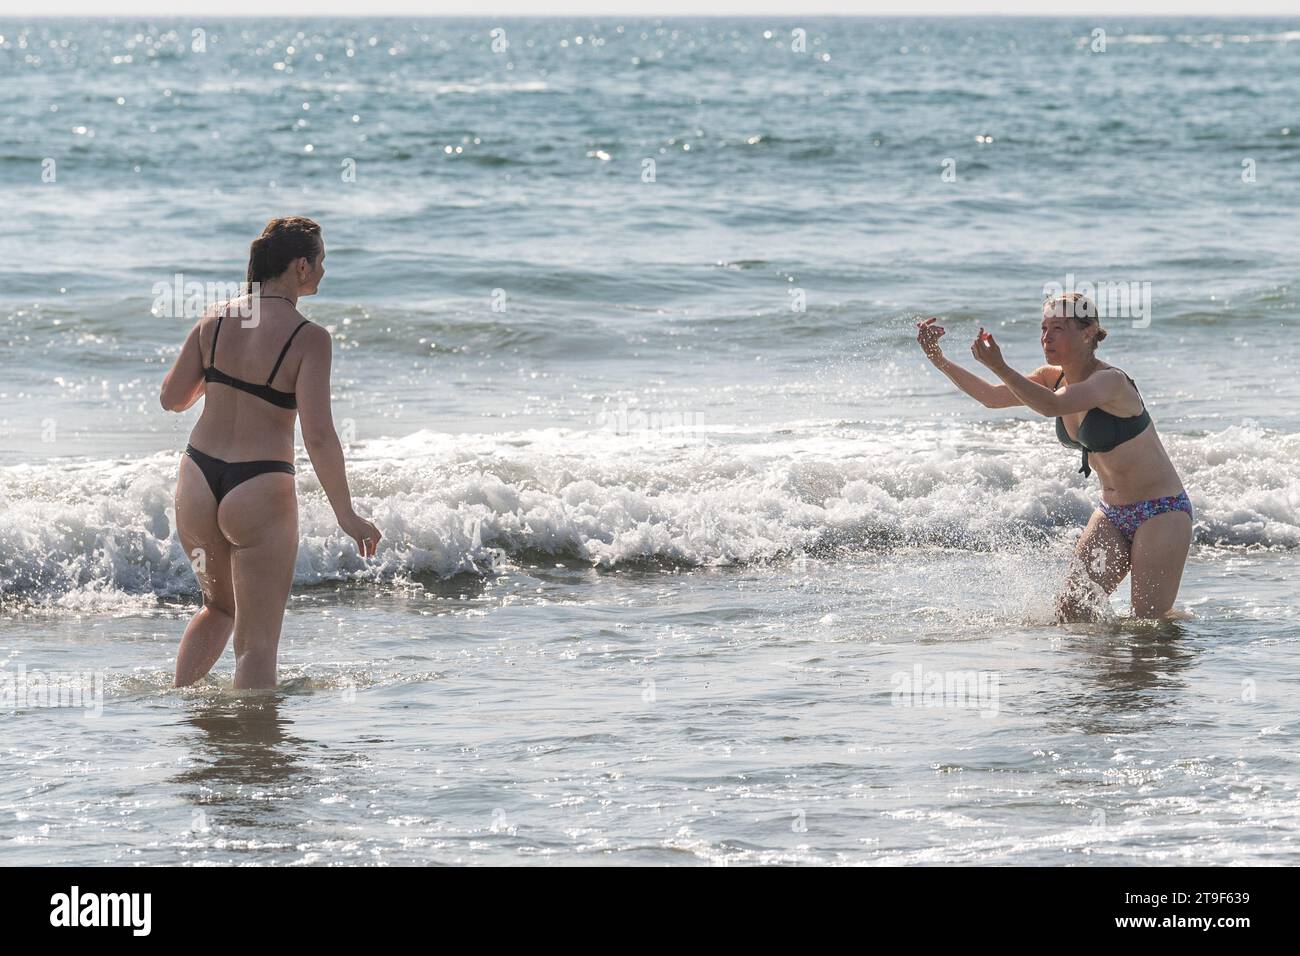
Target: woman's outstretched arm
(1097, 389)
(986, 393)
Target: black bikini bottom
(225, 476)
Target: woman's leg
(1100, 561)
(1160, 549)
(205, 638)
(260, 519)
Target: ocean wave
(92, 536)
(468, 87)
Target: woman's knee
(1074, 608)
(220, 608)
(1070, 611)
(1080, 599)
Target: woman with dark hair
(236, 507)
(1143, 523)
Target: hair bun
(281, 242)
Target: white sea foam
(97, 534)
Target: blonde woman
(1143, 523)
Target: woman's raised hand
(986, 351)
(928, 335)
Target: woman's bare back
(236, 425)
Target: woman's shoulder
(312, 337)
(1124, 391)
(313, 331)
(1048, 376)
(1123, 376)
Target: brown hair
(1077, 306)
(282, 241)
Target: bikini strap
(1135, 387)
(1058, 380)
(1124, 373)
(212, 362)
(284, 351)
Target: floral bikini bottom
(1129, 517)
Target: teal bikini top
(1100, 430)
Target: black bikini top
(1100, 430)
(265, 392)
